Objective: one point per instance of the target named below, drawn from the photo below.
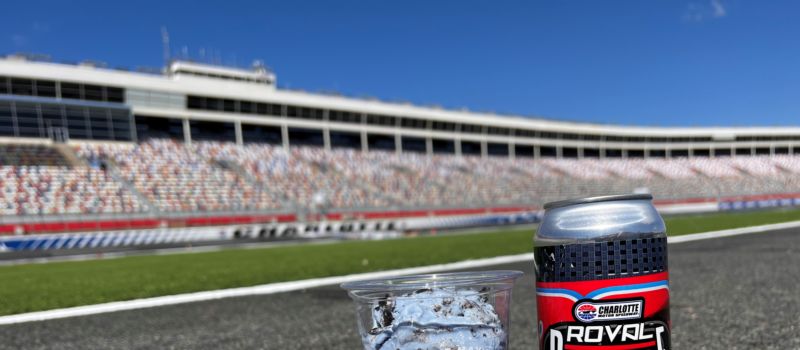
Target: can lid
(609, 198)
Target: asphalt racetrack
(739, 292)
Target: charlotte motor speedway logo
(591, 311)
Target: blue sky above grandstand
(656, 62)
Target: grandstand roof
(236, 89)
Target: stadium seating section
(168, 177)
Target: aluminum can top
(599, 219)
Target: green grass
(36, 287)
(712, 222)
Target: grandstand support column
(237, 127)
(134, 134)
(512, 151)
(559, 151)
(429, 146)
(537, 151)
(285, 136)
(484, 149)
(624, 153)
(364, 141)
(398, 143)
(326, 138)
(187, 132)
(580, 152)
(772, 149)
(457, 146)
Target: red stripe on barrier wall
(67, 226)
(7, 229)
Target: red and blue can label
(609, 295)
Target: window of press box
(71, 90)
(762, 151)
(342, 139)
(6, 119)
(525, 133)
(591, 137)
(472, 128)
(569, 152)
(414, 144)
(443, 126)
(414, 123)
(246, 107)
(52, 117)
(374, 119)
(93, 92)
(344, 117)
(305, 137)
(381, 142)
(212, 131)
(497, 149)
(547, 151)
(497, 131)
(636, 153)
(229, 105)
(658, 153)
(613, 153)
(722, 152)
(114, 94)
(548, 135)
(311, 113)
(261, 134)
(213, 104)
(570, 136)
(443, 146)
(157, 127)
(77, 122)
(45, 88)
(591, 153)
(195, 102)
(269, 109)
(22, 87)
(470, 148)
(523, 151)
(680, 153)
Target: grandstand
(85, 148)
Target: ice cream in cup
(461, 310)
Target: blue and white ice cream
(436, 319)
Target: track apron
(601, 275)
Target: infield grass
(35, 287)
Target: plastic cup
(461, 310)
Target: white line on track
(734, 232)
(281, 287)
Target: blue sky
(648, 62)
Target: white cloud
(700, 11)
(719, 9)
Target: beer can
(601, 274)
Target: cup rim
(434, 280)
